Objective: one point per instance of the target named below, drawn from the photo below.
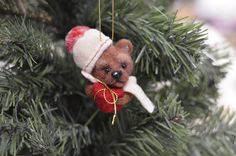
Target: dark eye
(123, 65)
(107, 69)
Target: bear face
(115, 65)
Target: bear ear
(125, 45)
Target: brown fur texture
(114, 67)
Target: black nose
(116, 74)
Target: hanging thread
(99, 19)
(113, 94)
(113, 19)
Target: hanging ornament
(108, 68)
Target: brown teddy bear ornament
(108, 67)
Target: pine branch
(43, 107)
(215, 135)
(137, 133)
(41, 131)
(202, 97)
(35, 70)
(162, 4)
(164, 48)
(21, 45)
(32, 62)
(66, 14)
(27, 9)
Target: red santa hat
(86, 45)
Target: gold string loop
(99, 19)
(113, 94)
(113, 19)
(114, 98)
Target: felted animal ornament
(108, 67)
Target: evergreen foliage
(213, 135)
(44, 110)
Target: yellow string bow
(114, 99)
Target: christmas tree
(44, 108)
